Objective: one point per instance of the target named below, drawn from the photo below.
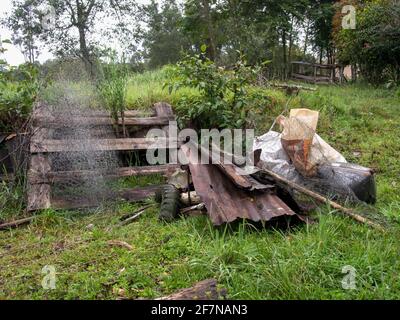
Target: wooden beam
(61, 176)
(204, 290)
(106, 113)
(55, 122)
(51, 146)
(16, 223)
(131, 195)
(39, 195)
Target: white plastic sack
(273, 157)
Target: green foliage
(165, 40)
(375, 43)
(223, 101)
(112, 89)
(19, 87)
(26, 25)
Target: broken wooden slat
(104, 113)
(39, 196)
(131, 195)
(62, 176)
(164, 109)
(204, 290)
(49, 146)
(54, 122)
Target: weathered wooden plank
(132, 195)
(105, 113)
(39, 195)
(204, 290)
(50, 146)
(164, 109)
(55, 122)
(61, 176)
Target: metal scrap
(226, 201)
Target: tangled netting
(71, 112)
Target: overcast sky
(13, 54)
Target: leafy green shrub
(374, 45)
(224, 100)
(19, 87)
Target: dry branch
(323, 199)
(16, 223)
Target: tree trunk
(306, 39)
(211, 47)
(85, 54)
(81, 24)
(284, 54)
(320, 55)
(290, 43)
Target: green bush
(224, 100)
(375, 43)
(19, 87)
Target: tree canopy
(157, 33)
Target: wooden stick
(17, 223)
(198, 207)
(288, 86)
(136, 215)
(323, 199)
(129, 215)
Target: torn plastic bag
(334, 176)
(274, 157)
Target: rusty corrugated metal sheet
(225, 202)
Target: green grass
(149, 87)
(252, 263)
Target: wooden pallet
(41, 177)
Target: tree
(375, 43)
(321, 14)
(164, 41)
(26, 26)
(278, 21)
(201, 25)
(76, 31)
(75, 27)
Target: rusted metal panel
(225, 202)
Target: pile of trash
(287, 166)
(302, 156)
